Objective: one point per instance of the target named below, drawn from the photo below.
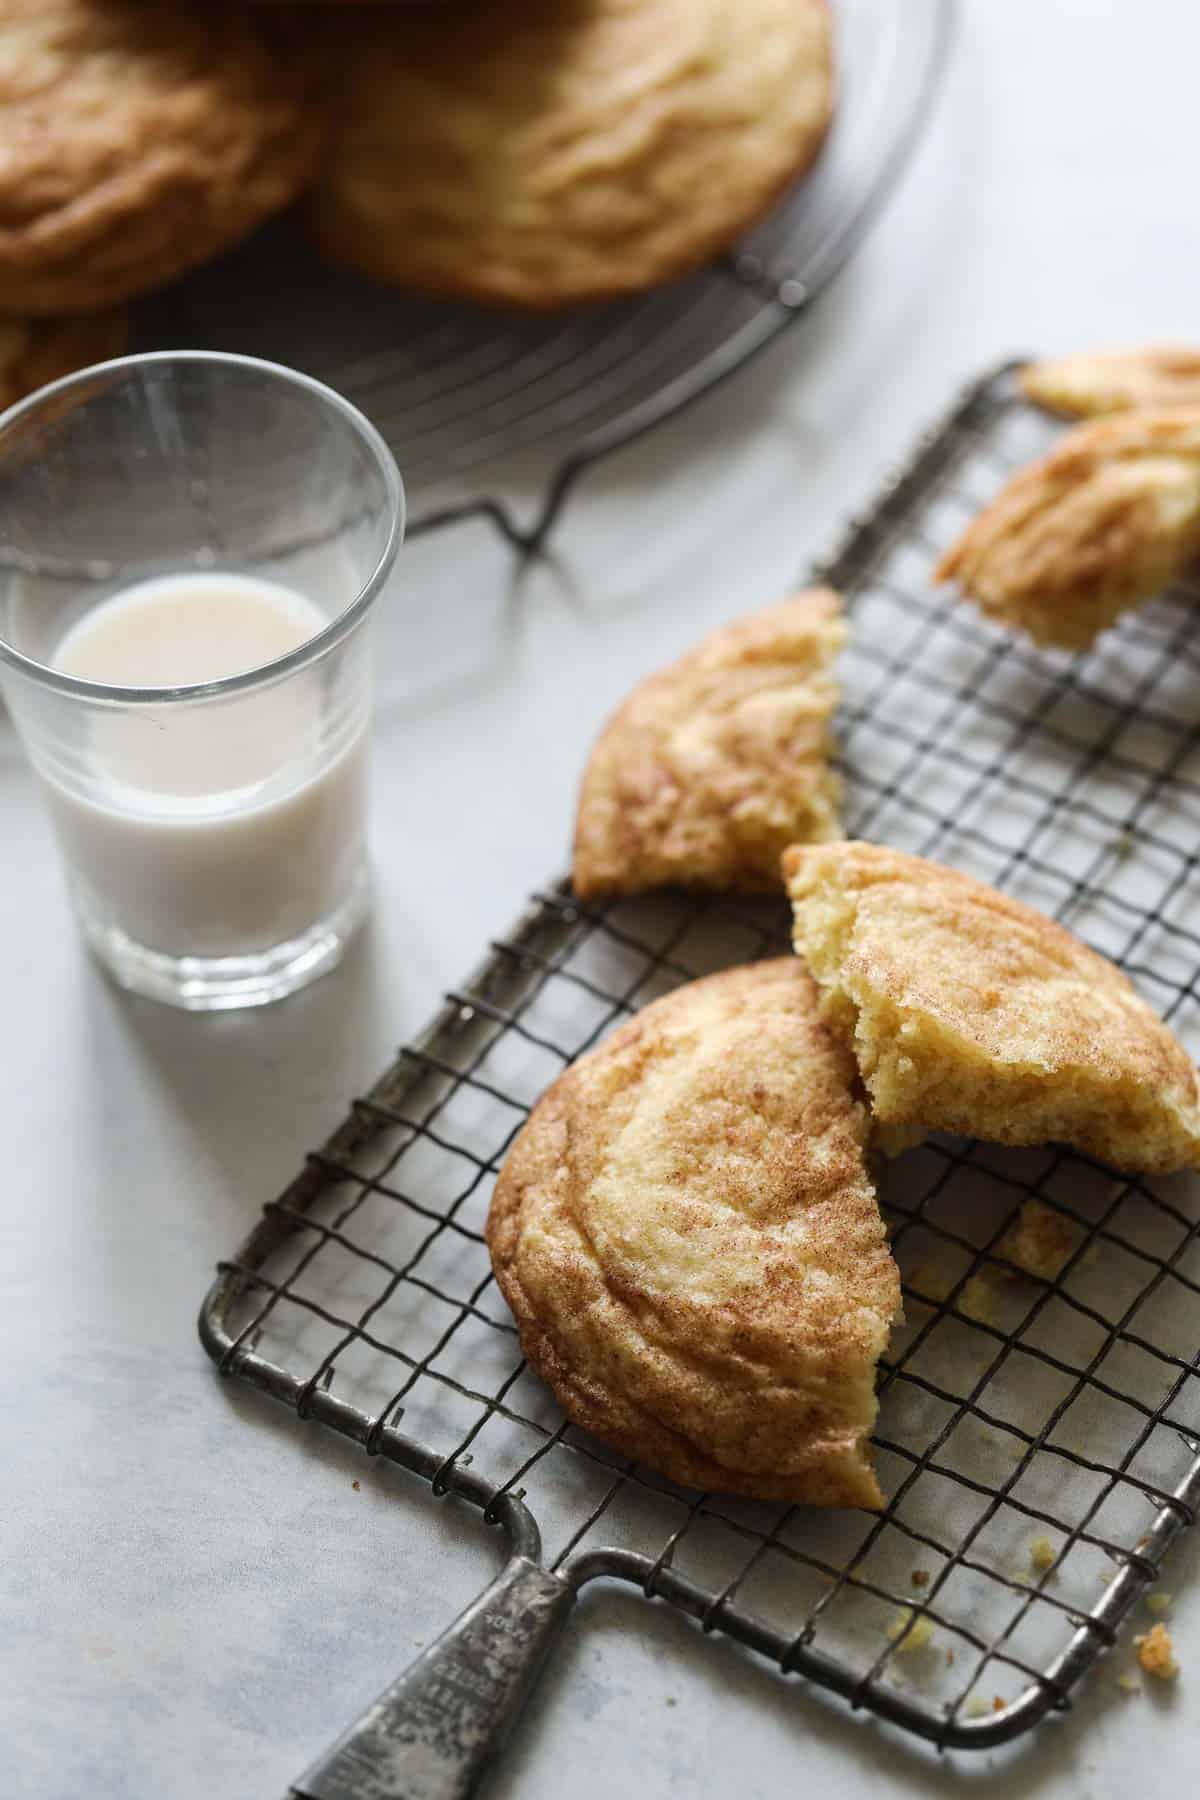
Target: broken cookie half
(715, 764)
(969, 1012)
(687, 1234)
(1089, 384)
(1103, 523)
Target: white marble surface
(194, 1597)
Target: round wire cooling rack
(495, 415)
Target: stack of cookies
(686, 1228)
(538, 156)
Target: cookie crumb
(356, 1487)
(932, 1280)
(1040, 1241)
(978, 1299)
(1156, 1653)
(1158, 1603)
(909, 1633)
(999, 1705)
(920, 1578)
(1042, 1553)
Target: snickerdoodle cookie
(1091, 383)
(1104, 522)
(565, 150)
(137, 140)
(688, 1237)
(969, 1012)
(714, 765)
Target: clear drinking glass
(213, 830)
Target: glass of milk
(191, 548)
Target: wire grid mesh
(1013, 1408)
(498, 415)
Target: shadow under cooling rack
(497, 416)
(1039, 1439)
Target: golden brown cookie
(713, 766)
(1104, 522)
(566, 150)
(35, 351)
(139, 139)
(1090, 384)
(969, 1012)
(688, 1237)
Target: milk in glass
(210, 830)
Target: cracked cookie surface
(969, 1012)
(687, 1234)
(714, 765)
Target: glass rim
(313, 648)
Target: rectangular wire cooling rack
(1014, 1409)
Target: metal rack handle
(436, 1731)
